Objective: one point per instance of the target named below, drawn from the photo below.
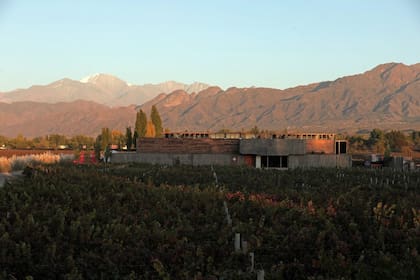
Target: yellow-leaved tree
(150, 129)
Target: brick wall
(188, 146)
(318, 146)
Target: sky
(267, 43)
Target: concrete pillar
(260, 274)
(237, 242)
(251, 257)
(244, 245)
(258, 161)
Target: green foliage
(56, 140)
(375, 136)
(157, 122)
(41, 142)
(141, 123)
(155, 222)
(79, 142)
(107, 154)
(20, 142)
(396, 140)
(376, 141)
(106, 138)
(118, 138)
(415, 137)
(357, 143)
(128, 138)
(383, 142)
(135, 137)
(52, 141)
(97, 146)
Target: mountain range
(100, 88)
(386, 97)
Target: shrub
(16, 163)
(4, 164)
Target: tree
(80, 142)
(415, 137)
(135, 137)
(157, 121)
(97, 146)
(141, 123)
(106, 138)
(41, 142)
(255, 131)
(20, 142)
(151, 130)
(56, 140)
(396, 140)
(357, 143)
(128, 138)
(107, 154)
(117, 138)
(376, 141)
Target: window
(274, 161)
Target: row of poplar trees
(144, 127)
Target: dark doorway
(341, 147)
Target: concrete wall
(319, 160)
(272, 147)
(294, 161)
(172, 159)
(397, 163)
(125, 157)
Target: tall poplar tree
(128, 138)
(106, 138)
(135, 137)
(151, 131)
(141, 123)
(157, 121)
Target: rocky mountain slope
(100, 88)
(386, 97)
(68, 118)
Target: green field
(155, 222)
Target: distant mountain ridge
(386, 97)
(100, 88)
(68, 118)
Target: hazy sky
(222, 42)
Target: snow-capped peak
(104, 79)
(89, 78)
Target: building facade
(279, 151)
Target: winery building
(278, 151)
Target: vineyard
(155, 222)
